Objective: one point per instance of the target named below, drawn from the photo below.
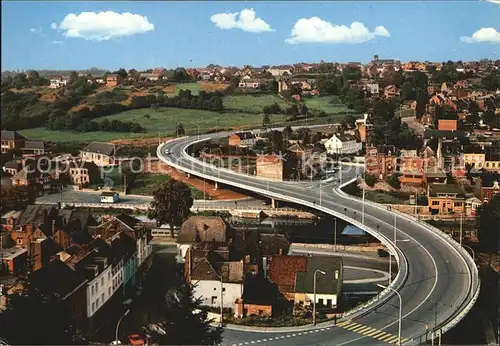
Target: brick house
(487, 192)
(242, 139)
(31, 230)
(270, 166)
(445, 199)
(260, 298)
(391, 91)
(11, 140)
(381, 161)
(282, 271)
(112, 80)
(447, 124)
(34, 148)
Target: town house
(381, 161)
(270, 167)
(11, 140)
(242, 139)
(342, 144)
(391, 91)
(57, 82)
(112, 80)
(444, 199)
(328, 286)
(100, 153)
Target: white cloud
(53, 26)
(104, 25)
(490, 35)
(494, 1)
(33, 30)
(247, 21)
(316, 30)
(57, 42)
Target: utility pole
(461, 227)
(335, 235)
(363, 207)
(320, 193)
(221, 300)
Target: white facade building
(100, 289)
(209, 292)
(342, 144)
(57, 82)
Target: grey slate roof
(34, 145)
(325, 284)
(204, 229)
(101, 148)
(11, 136)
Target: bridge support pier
(216, 186)
(274, 203)
(189, 175)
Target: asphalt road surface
(437, 285)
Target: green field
(251, 103)
(322, 103)
(145, 184)
(194, 87)
(165, 120)
(43, 134)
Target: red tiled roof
(282, 271)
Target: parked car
(382, 253)
(136, 340)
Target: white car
(167, 152)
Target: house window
(261, 312)
(109, 291)
(320, 302)
(223, 289)
(329, 303)
(19, 241)
(97, 302)
(93, 307)
(336, 275)
(92, 290)
(215, 288)
(457, 204)
(97, 286)
(487, 164)
(109, 276)
(214, 300)
(435, 202)
(102, 297)
(102, 281)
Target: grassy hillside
(252, 103)
(322, 104)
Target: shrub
(394, 182)
(370, 180)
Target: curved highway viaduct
(437, 279)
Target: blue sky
(185, 33)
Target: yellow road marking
(343, 323)
(393, 339)
(376, 335)
(370, 332)
(358, 329)
(386, 338)
(352, 326)
(364, 330)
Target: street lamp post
(400, 310)
(221, 300)
(363, 207)
(198, 127)
(320, 193)
(335, 235)
(314, 293)
(118, 326)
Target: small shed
(110, 197)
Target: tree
(185, 320)
(407, 91)
(265, 120)
(180, 130)
(73, 77)
(16, 197)
(50, 322)
(348, 121)
(171, 204)
(287, 132)
(489, 224)
(370, 179)
(394, 182)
